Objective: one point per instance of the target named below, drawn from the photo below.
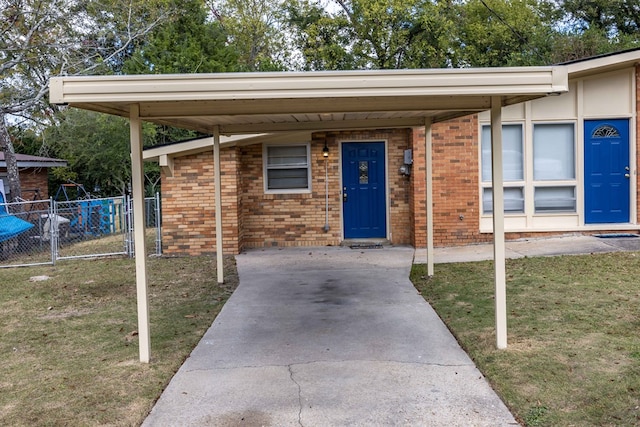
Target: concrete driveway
(328, 337)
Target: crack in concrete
(290, 367)
(312, 362)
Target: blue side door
(606, 171)
(363, 190)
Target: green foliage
(97, 149)
(610, 17)
(496, 33)
(380, 34)
(254, 30)
(41, 38)
(386, 34)
(536, 416)
(322, 39)
(187, 43)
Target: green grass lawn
(70, 356)
(573, 356)
(69, 344)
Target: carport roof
(286, 102)
(246, 103)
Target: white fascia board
(289, 85)
(189, 147)
(154, 153)
(602, 64)
(194, 146)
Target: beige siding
(609, 95)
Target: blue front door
(606, 171)
(363, 190)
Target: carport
(281, 102)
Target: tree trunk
(13, 175)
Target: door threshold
(374, 243)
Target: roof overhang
(603, 63)
(251, 103)
(200, 145)
(28, 161)
(164, 154)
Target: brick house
(355, 127)
(280, 190)
(34, 174)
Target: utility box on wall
(408, 157)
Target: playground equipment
(86, 215)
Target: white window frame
(529, 184)
(548, 183)
(266, 168)
(507, 184)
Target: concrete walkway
(564, 245)
(328, 337)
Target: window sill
(287, 195)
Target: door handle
(626, 175)
(344, 196)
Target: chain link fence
(43, 232)
(24, 233)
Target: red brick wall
(271, 220)
(298, 219)
(33, 179)
(188, 205)
(252, 218)
(455, 182)
(418, 190)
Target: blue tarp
(10, 226)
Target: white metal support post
(218, 196)
(499, 251)
(137, 181)
(429, 201)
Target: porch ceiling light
(325, 150)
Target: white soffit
(286, 101)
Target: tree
(186, 43)
(41, 38)
(595, 27)
(496, 33)
(378, 34)
(322, 39)
(255, 31)
(610, 16)
(96, 146)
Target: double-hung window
(287, 168)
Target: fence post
(158, 226)
(129, 221)
(53, 230)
